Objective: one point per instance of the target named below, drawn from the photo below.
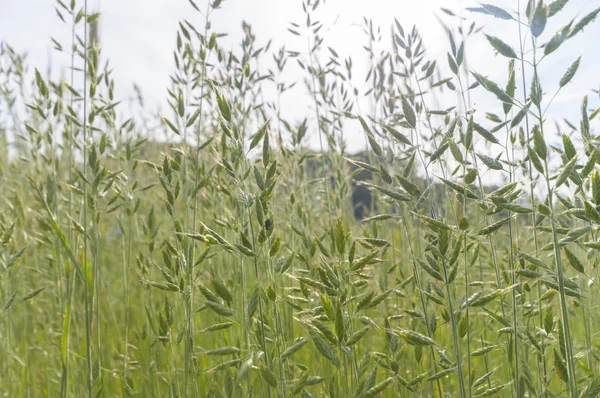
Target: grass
(227, 260)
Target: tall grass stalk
(213, 251)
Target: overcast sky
(138, 37)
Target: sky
(138, 36)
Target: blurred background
(138, 38)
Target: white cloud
(138, 38)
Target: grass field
(227, 259)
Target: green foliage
(232, 260)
